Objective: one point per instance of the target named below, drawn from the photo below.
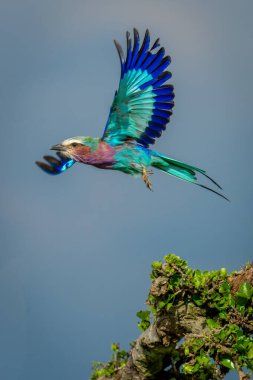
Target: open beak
(58, 147)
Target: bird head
(76, 147)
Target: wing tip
(120, 53)
(136, 32)
(45, 167)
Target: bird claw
(145, 176)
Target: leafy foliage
(222, 302)
(144, 315)
(227, 342)
(118, 361)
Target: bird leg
(145, 176)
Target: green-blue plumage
(140, 111)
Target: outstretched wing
(143, 104)
(54, 165)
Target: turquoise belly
(132, 159)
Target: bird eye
(74, 145)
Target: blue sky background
(76, 249)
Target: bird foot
(145, 176)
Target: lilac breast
(102, 157)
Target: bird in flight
(141, 108)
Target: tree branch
(201, 328)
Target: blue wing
(143, 104)
(54, 165)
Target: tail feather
(212, 180)
(183, 171)
(212, 190)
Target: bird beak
(58, 147)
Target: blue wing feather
(164, 98)
(149, 58)
(156, 44)
(129, 52)
(143, 50)
(162, 66)
(164, 106)
(121, 56)
(142, 105)
(157, 59)
(136, 48)
(160, 119)
(164, 114)
(55, 166)
(166, 89)
(155, 126)
(166, 75)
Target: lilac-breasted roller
(140, 111)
